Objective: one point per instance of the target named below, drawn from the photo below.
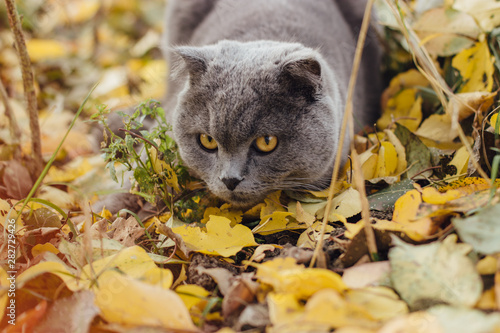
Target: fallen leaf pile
(430, 167)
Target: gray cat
(259, 87)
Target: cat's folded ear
(192, 59)
(302, 77)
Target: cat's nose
(231, 183)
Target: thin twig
(139, 137)
(348, 116)
(29, 87)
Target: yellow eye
(207, 142)
(266, 144)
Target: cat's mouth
(242, 200)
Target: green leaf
(418, 155)
(481, 231)
(386, 198)
(435, 273)
(112, 170)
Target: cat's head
(257, 117)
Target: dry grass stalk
(356, 166)
(15, 131)
(426, 66)
(29, 87)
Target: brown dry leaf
(126, 231)
(28, 321)
(242, 291)
(16, 180)
(466, 104)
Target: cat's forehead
(262, 51)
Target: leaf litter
(199, 265)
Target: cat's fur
(249, 68)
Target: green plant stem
(53, 157)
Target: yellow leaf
(57, 268)
(277, 222)
(459, 161)
(283, 308)
(79, 11)
(76, 144)
(487, 301)
(476, 66)
(352, 229)
(302, 216)
(468, 185)
(368, 160)
(225, 210)
(346, 204)
(400, 151)
(164, 170)
(486, 12)
(285, 276)
(418, 230)
(438, 128)
(154, 77)
(493, 121)
(433, 196)
(272, 204)
(8, 215)
(404, 108)
(218, 239)
(132, 261)
(126, 301)
(40, 248)
(60, 198)
(406, 207)
(381, 302)
(387, 160)
(70, 172)
(409, 79)
(487, 265)
(309, 238)
(5, 283)
(191, 294)
(369, 167)
(45, 49)
(329, 308)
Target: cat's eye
(266, 143)
(207, 142)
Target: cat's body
(264, 74)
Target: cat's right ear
(191, 59)
(302, 77)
